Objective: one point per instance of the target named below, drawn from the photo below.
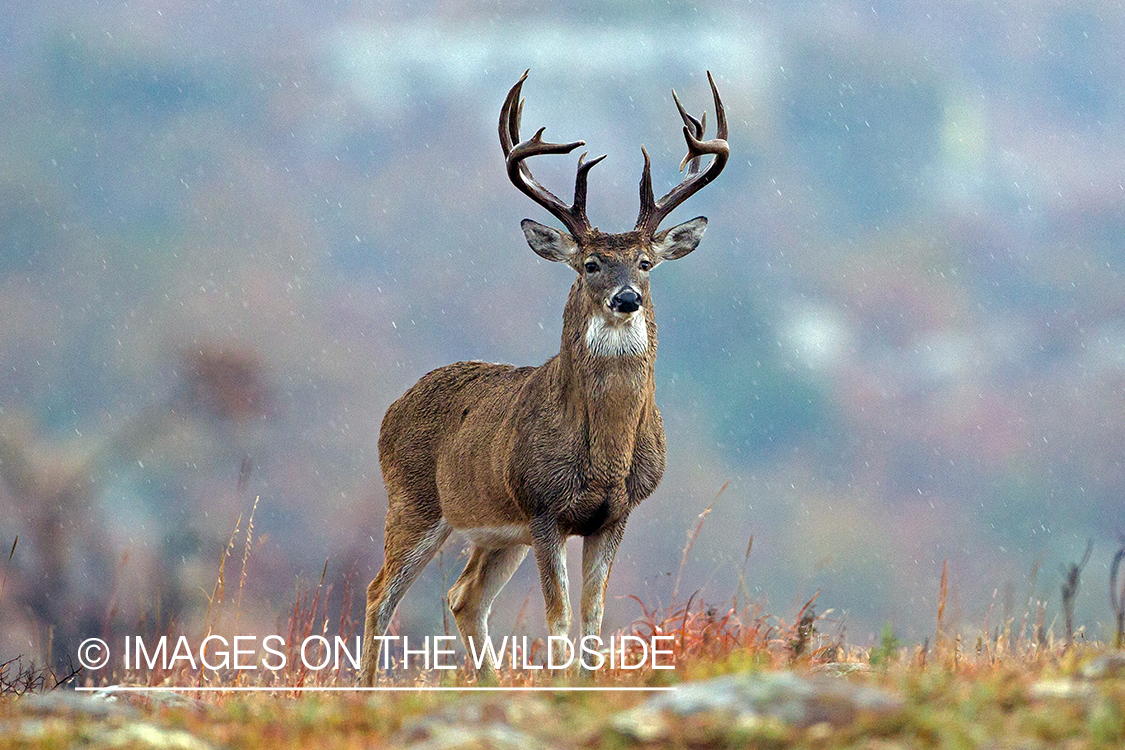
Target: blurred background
(231, 234)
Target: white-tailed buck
(519, 457)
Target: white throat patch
(617, 339)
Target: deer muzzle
(626, 300)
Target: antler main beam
(516, 154)
(654, 211)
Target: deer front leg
(550, 555)
(598, 551)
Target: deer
(519, 458)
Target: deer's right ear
(550, 244)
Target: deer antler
(516, 153)
(654, 211)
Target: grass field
(742, 679)
(1074, 699)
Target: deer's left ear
(679, 240)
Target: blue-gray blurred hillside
(232, 233)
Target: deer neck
(606, 380)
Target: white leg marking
(597, 557)
(558, 567)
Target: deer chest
(583, 495)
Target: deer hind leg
(409, 547)
(470, 599)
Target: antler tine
(697, 128)
(648, 202)
(584, 168)
(695, 125)
(516, 153)
(720, 113)
(510, 116)
(652, 211)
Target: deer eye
(591, 266)
(646, 265)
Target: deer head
(613, 269)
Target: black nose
(625, 301)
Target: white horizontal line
(340, 689)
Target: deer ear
(679, 240)
(548, 243)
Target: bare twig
(692, 536)
(742, 573)
(943, 592)
(1022, 634)
(4, 582)
(245, 559)
(17, 679)
(805, 629)
(1117, 594)
(1041, 626)
(1070, 591)
(216, 597)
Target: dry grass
(705, 638)
(960, 691)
